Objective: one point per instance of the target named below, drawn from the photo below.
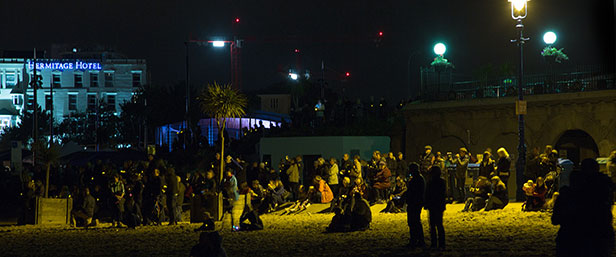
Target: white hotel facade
(79, 85)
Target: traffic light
(347, 74)
(237, 20)
(380, 33)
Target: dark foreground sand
(507, 232)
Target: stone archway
(577, 145)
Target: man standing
(117, 188)
(435, 204)
(172, 194)
(293, 175)
(461, 161)
(332, 176)
(426, 160)
(415, 200)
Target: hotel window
(56, 80)
(93, 79)
(72, 102)
(18, 100)
(91, 102)
(108, 79)
(30, 101)
(48, 102)
(11, 79)
(136, 78)
(78, 80)
(111, 102)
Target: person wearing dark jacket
(499, 197)
(172, 193)
(584, 212)
(435, 204)
(415, 200)
(503, 165)
(84, 213)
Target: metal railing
(590, 80)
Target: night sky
(341, 33)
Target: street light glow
(518, 4)
(293, 76)
(440, 49)
(218, 43)
(549, 37)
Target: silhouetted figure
(584, 212)
(435, 204)
(210, 245)
(415, 201)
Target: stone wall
(481, 123)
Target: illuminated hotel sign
(76, 65)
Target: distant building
(82, 81)
(276, 103)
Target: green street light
(440, 49)
(549, 37)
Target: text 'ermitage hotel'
(82, 80)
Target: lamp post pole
(518, 12)
(187, 94)
(521, 163)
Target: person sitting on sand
(396, 199)
(210, 245)
(480, 192)
(320, 192)
(499, 198)
(83, 214)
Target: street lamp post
(234, 46)
(518, 12)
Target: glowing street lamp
(293, 76)
(549, 37)
(518, 9)
(440, 49)
(218, 43)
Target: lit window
(11, 79)
(78, 80)
(72, 102)
(30, 101)
(108, 79)
(56, 80)
(93, 79)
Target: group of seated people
(535, 195)
(487, 194)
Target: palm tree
(221, 102)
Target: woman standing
(503, 165)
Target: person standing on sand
(435, 204)
(415, 201)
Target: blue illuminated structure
(169, 133)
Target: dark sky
(339, 32)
